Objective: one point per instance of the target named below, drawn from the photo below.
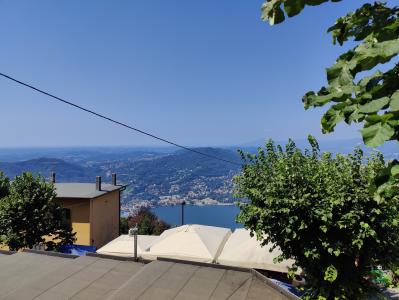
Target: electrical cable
(117, 122)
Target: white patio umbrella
(124, 245)
(190, 242)
(242, 250)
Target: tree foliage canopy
(147, 222)
(335, 216)
(370, 98)
(321, 211)
(29, 215)
(4, 185)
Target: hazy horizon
(253, 143)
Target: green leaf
(277, 16)
(395, 171)
(331, 119)
(293, 7)
(312, 99)
(364, 82)
(374, 105)
(394, 104)
(377, 134)
(331, 274)
(340, 74)
(272, 12)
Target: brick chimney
(113, 178)
(98, 183)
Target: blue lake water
(213, 215)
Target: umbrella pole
(182, 212)
(133, 232)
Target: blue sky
(197, 72)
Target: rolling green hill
(66, 172)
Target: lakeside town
(131, 207)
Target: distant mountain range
(149, 175)
(66, 172)
(153, 173)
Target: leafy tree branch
(355, 96)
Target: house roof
(84, 190)
(38, 276)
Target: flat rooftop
(27, 276)
(84, 190)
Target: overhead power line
(117, 122)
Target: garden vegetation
(321, 211)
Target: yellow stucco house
(93, 210)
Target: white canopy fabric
(124, 245)
(242, 250)
(190, 242)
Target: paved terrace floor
(37, 276)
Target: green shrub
(320, 210)
(30, 215)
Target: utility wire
(117, 122)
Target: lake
(213, 215)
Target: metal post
(182, 211)
(133, 232)
(135, 243)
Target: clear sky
(206, 72)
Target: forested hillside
(150, 175)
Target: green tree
(321, 211)
(4, 185)
(123, 226)
(29, 215)
(353, 95)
